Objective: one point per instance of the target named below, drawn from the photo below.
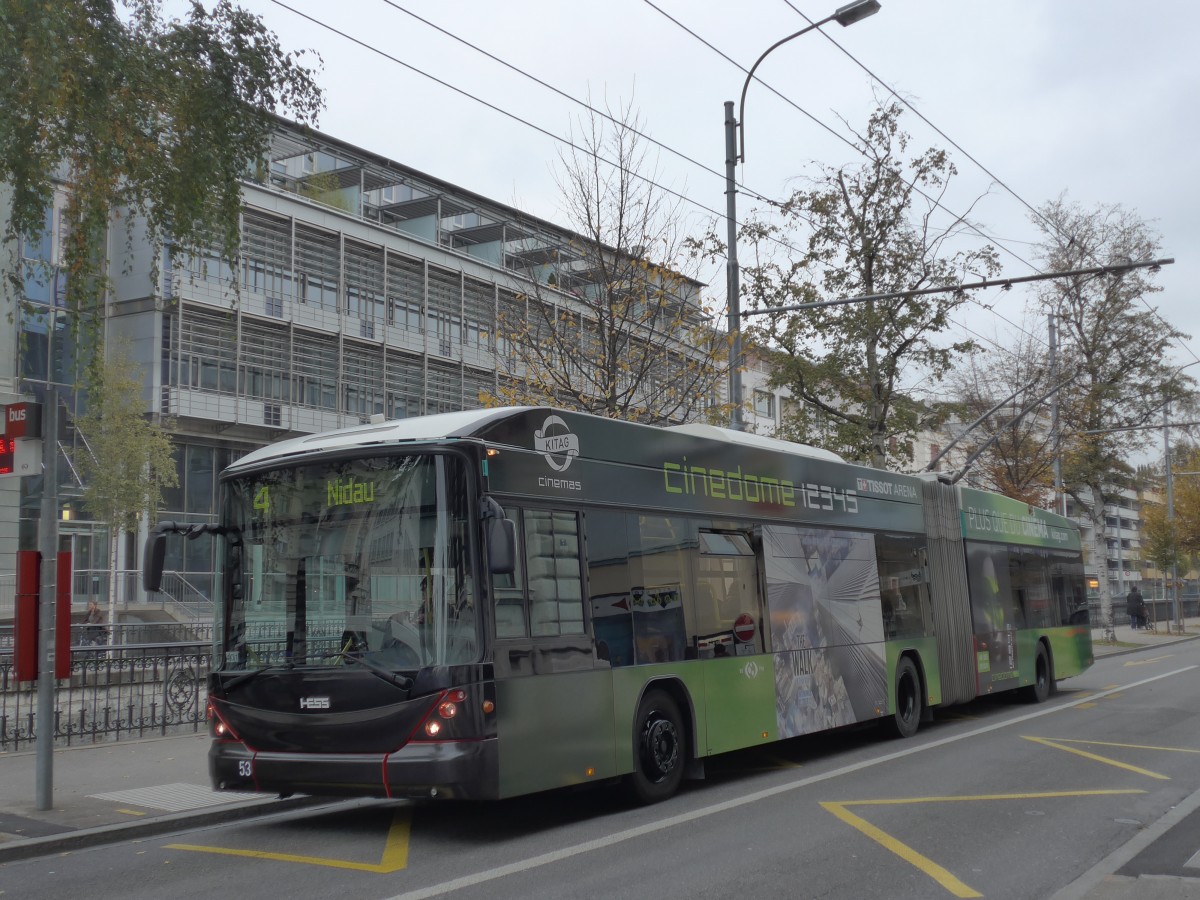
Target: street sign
(20, 443)
(743, 628)
(23, 420)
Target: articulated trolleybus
(488, 603)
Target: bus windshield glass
(348, 560)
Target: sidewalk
(117, 791)
(128, 789)
(1128, 640)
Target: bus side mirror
(154, 555)
(502, 546)
(152, 561)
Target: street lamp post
(735, 152)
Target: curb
(31, 848)
(1165, 642)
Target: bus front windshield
(348, 560)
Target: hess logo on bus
(314, 703)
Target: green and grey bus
(489, 603)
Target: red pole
(25, 637)
(62, 617)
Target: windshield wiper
(401, 681)
(254, 673)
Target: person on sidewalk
(1135, 606)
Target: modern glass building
(363, 288)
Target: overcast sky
(1099, 99)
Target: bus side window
(509, 592)
(555, 578)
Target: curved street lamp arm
(750, 77)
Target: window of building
(764, 404)
(318, 266)
(406, 292)
(362, 379)
(445, 310)
(404, 384)
(364, 282)
(315, 369)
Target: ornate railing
(113, 693)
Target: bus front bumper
(459, 770)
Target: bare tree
(612, 323)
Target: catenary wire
(995, 178)
(516, 118)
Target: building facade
(364, 288)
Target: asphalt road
(995, 799)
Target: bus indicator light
(488, 707)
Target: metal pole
(846, 15)
(732, 276)
(48, 541)
(1060, 495)
(1171, 513)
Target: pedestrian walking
(93, 623)
(1135, 607)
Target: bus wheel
(1039, 691)
(659, 748)
(907, 717)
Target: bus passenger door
(554, 700)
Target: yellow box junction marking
(939, 874)
(395, 851)
(1058, 744)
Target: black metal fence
(1159, 612)
(113, 692)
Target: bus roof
(551, 453)
(471, 422)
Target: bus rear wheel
(1039, 691)
(907, 716)
(660, 748)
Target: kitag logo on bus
(556, 443)
(559, 446)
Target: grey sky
(1087, 97)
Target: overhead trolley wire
(516, 118)
(995, 178)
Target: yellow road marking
(1128, 746)
(1088, 705)
(1142, 662)
(1137, 770)
(131, 812)
(939, 874)
(905, 852)
(395, 851)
